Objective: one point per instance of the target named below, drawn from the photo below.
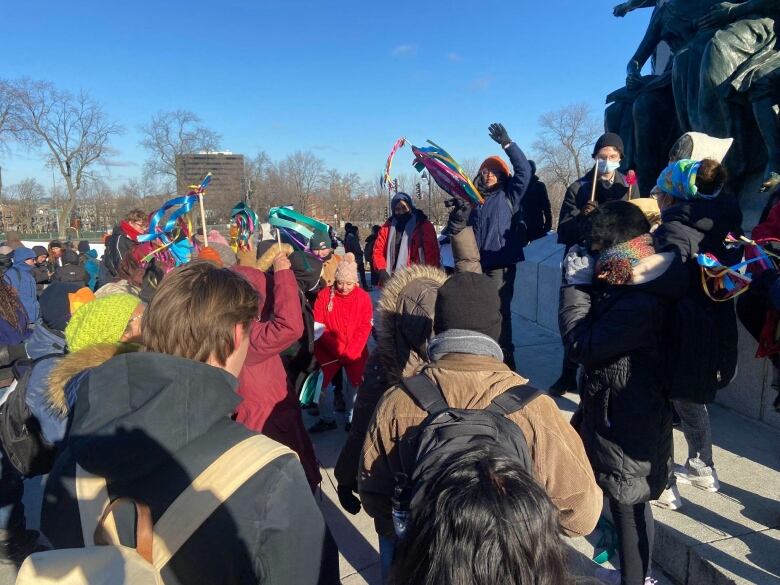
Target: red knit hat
(210, 254)
(495, 164)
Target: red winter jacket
(347, 327)
(269, 404)
(424, 245)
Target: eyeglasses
(610, 158)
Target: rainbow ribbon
(386, 178)
(447, 173)
(720, 282)
(292, 222)
(245, 220)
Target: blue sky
(343, 79)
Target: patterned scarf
(679, 181)
(616, 264)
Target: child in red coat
(345, 311)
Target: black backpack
(20, 432)
(692, 355)
(448, 431)
(111, 257)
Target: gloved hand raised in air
(499, 134)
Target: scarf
(399, 259)
(679, 181)
(129, 230)
(463, 341)
(616, 264)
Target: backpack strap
(427, 394)
(208, 491)
(513, 399)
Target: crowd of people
(142, 378)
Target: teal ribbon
(282, 217)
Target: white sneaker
(613, 577)
(704, 478)
(669, 499)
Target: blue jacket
(45, 342)
(10, 335)
(499, 238)
(20, 276)
(92, 266)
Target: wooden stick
(203, 219)
(595, 178)
(279, 239)
(630, 192)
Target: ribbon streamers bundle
(297, 228)
(175, 232)
(386, 178)
(447, 173)
(720, 282)
(245, 220)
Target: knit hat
(55, 244)
(468, 301)
(616, 264)
(55, 304)
(320, 241)
(609, 139)
(215, 236)
(306, 269)
(496, 165)
(227, 255)
(211, 255)
(402, 197)
(83, 247)
(104, 320)
(347, 270)
(40, 251)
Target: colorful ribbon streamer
(245, 220)
(722, 283)
(386, 178)
(447, 173)
(292, 222)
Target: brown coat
(329, 269)
(472, 381)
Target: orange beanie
(495, 164)
(211, 255)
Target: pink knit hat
(347, 270)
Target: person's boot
(567, 382)
(17, 546)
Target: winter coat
(92, 267)
(329, 269)
(423, 245)
(699, 226)
(368, 250)
(344, 341)
(495, 222)
(352, 244)
(269, 404)
(118, 245)
(150, 423)
(616, 334)
(403, 327)
(42, 277)
(20, 277)
(570, 228)
(536, 209)
(472, 381)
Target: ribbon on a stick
(447, 173)
(387, 179)
(293, 224)
(245, 220)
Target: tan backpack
(104, 561)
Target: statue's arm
(626, 7)
(648, 44)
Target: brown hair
(710, 177)
(194, 312)
(137, 215)
(10, 304)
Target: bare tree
(302, 172)
(564, 142)
(174, 133)
(73, 129)
(25, 196)
(9, 110)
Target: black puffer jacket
(693, 227)
(616, 333)
(150, 423)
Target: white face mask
(608, 166)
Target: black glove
(499, 134)
(348, 500)
(459, 216)
(383, 277)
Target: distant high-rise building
(227, 184)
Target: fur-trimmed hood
(73, 364)
(405, 319)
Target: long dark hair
(10, 305)
(484, 521)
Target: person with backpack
(499, 225)
(146, 424)
(482, 499)
(71, 270)
(466, 371)
(696, 217)
(536, 205)
(577, 206)
(20, 277)
(123, 239)
(406, 238)
(612, 314)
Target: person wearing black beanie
(577, 206)
(468, 301)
